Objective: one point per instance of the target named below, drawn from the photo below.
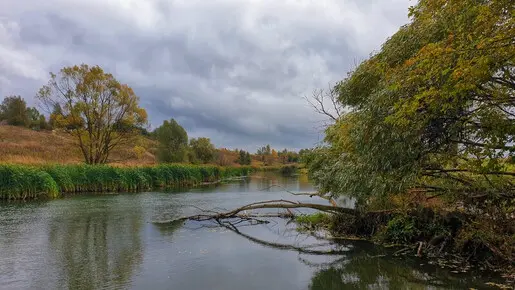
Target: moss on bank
(30, 182)
(310, 221)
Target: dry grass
(20, 145)
(24, 146)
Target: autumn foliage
(97, 110)
(433, 112)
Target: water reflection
(169, 228)
(244, 184)
(360, 270)
(99, 242)
(353, 265)
(271, 181)
(96, 245)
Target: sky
(236, 71)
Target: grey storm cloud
(232, 70)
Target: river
(113, 242)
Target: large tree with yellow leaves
(96, 109)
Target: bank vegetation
(20, 182)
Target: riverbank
(50, 181)
(456, 240)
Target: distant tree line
(174, 146)
(269, 156)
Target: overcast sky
(232, 70)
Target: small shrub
(401, 229)
(138, 152)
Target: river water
(120, 242)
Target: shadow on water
(364, 271)
(362, 265)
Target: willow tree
(96, 109)
(434, 109)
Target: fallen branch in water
(268, 204)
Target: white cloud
(16, 60)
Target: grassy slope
(24, 146)
(20, 145)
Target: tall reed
(26, 182)
(23, 182)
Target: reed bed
(30, 182)
(25, 182)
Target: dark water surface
(112, 242)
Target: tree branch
(320, 96)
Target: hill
(20, 145)
(25, 146)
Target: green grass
(22, 182)
(29, 182)
(313, 220)
(285, 169)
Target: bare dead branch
(314, 194)
(268, 204)
(320, 98)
